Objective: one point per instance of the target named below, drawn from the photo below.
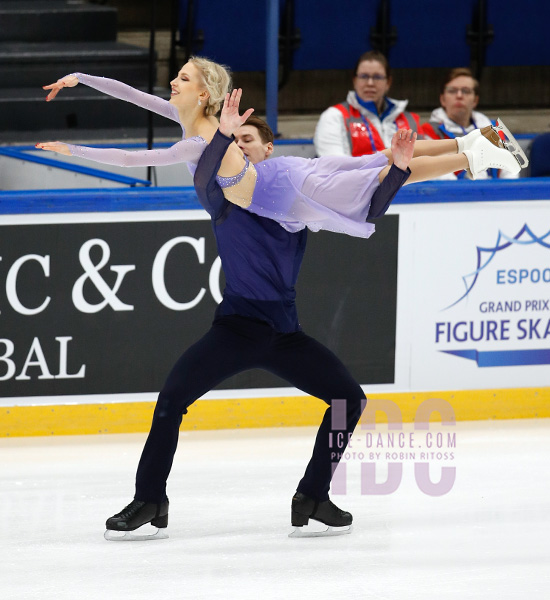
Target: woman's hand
(68, 81)
(402, 148)
(230, 120)
(59, 147)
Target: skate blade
(511, 144)
(308, 532)
(144, 533)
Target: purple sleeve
(189, 150)
(119, 90)
(208, 190)
(386, 191)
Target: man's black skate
(305, 508)
(133, 516)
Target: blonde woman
(197, 95)
(334, 193)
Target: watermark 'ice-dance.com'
(394, 447)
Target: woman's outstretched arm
(116, 89)
(189, 150)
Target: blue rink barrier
(98, 200)
(185, 198)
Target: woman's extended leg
(424, 168)
(435, 147)
(482, 152)
(435, 158)
(427, 148)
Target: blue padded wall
(335, 32)
(521, 33)
(431, 37)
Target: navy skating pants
(234, 344)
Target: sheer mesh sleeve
(119, 90)
(189, 150)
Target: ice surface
(230, 494)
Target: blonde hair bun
(217, 79)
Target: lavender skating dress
(331, 193)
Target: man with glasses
(459, 96)
(366, 122)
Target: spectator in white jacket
(366, 122)
(459, 96)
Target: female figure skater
(332, 192)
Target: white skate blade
(319, 530)
(511, 144)
(144, 533)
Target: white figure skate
(500, 138)
(466, 142)
(510, 143)
(483, 155)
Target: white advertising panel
(480, 295)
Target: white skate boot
(506, 141)
(466, 142)
(483, 155)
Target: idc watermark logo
(383, 456)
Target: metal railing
(22, 153)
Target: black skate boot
(305, 508)
(133, 516)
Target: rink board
(108, 307)
(279, 411)
(448, 300)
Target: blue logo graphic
(503, 242)
(502, 358)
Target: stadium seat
(432, 37)
(519, 33)
(540, 156)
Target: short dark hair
(265, 131)
(373, 55)
(459, 72)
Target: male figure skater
(255, 326)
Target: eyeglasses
(375, 78)
(464, 91)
